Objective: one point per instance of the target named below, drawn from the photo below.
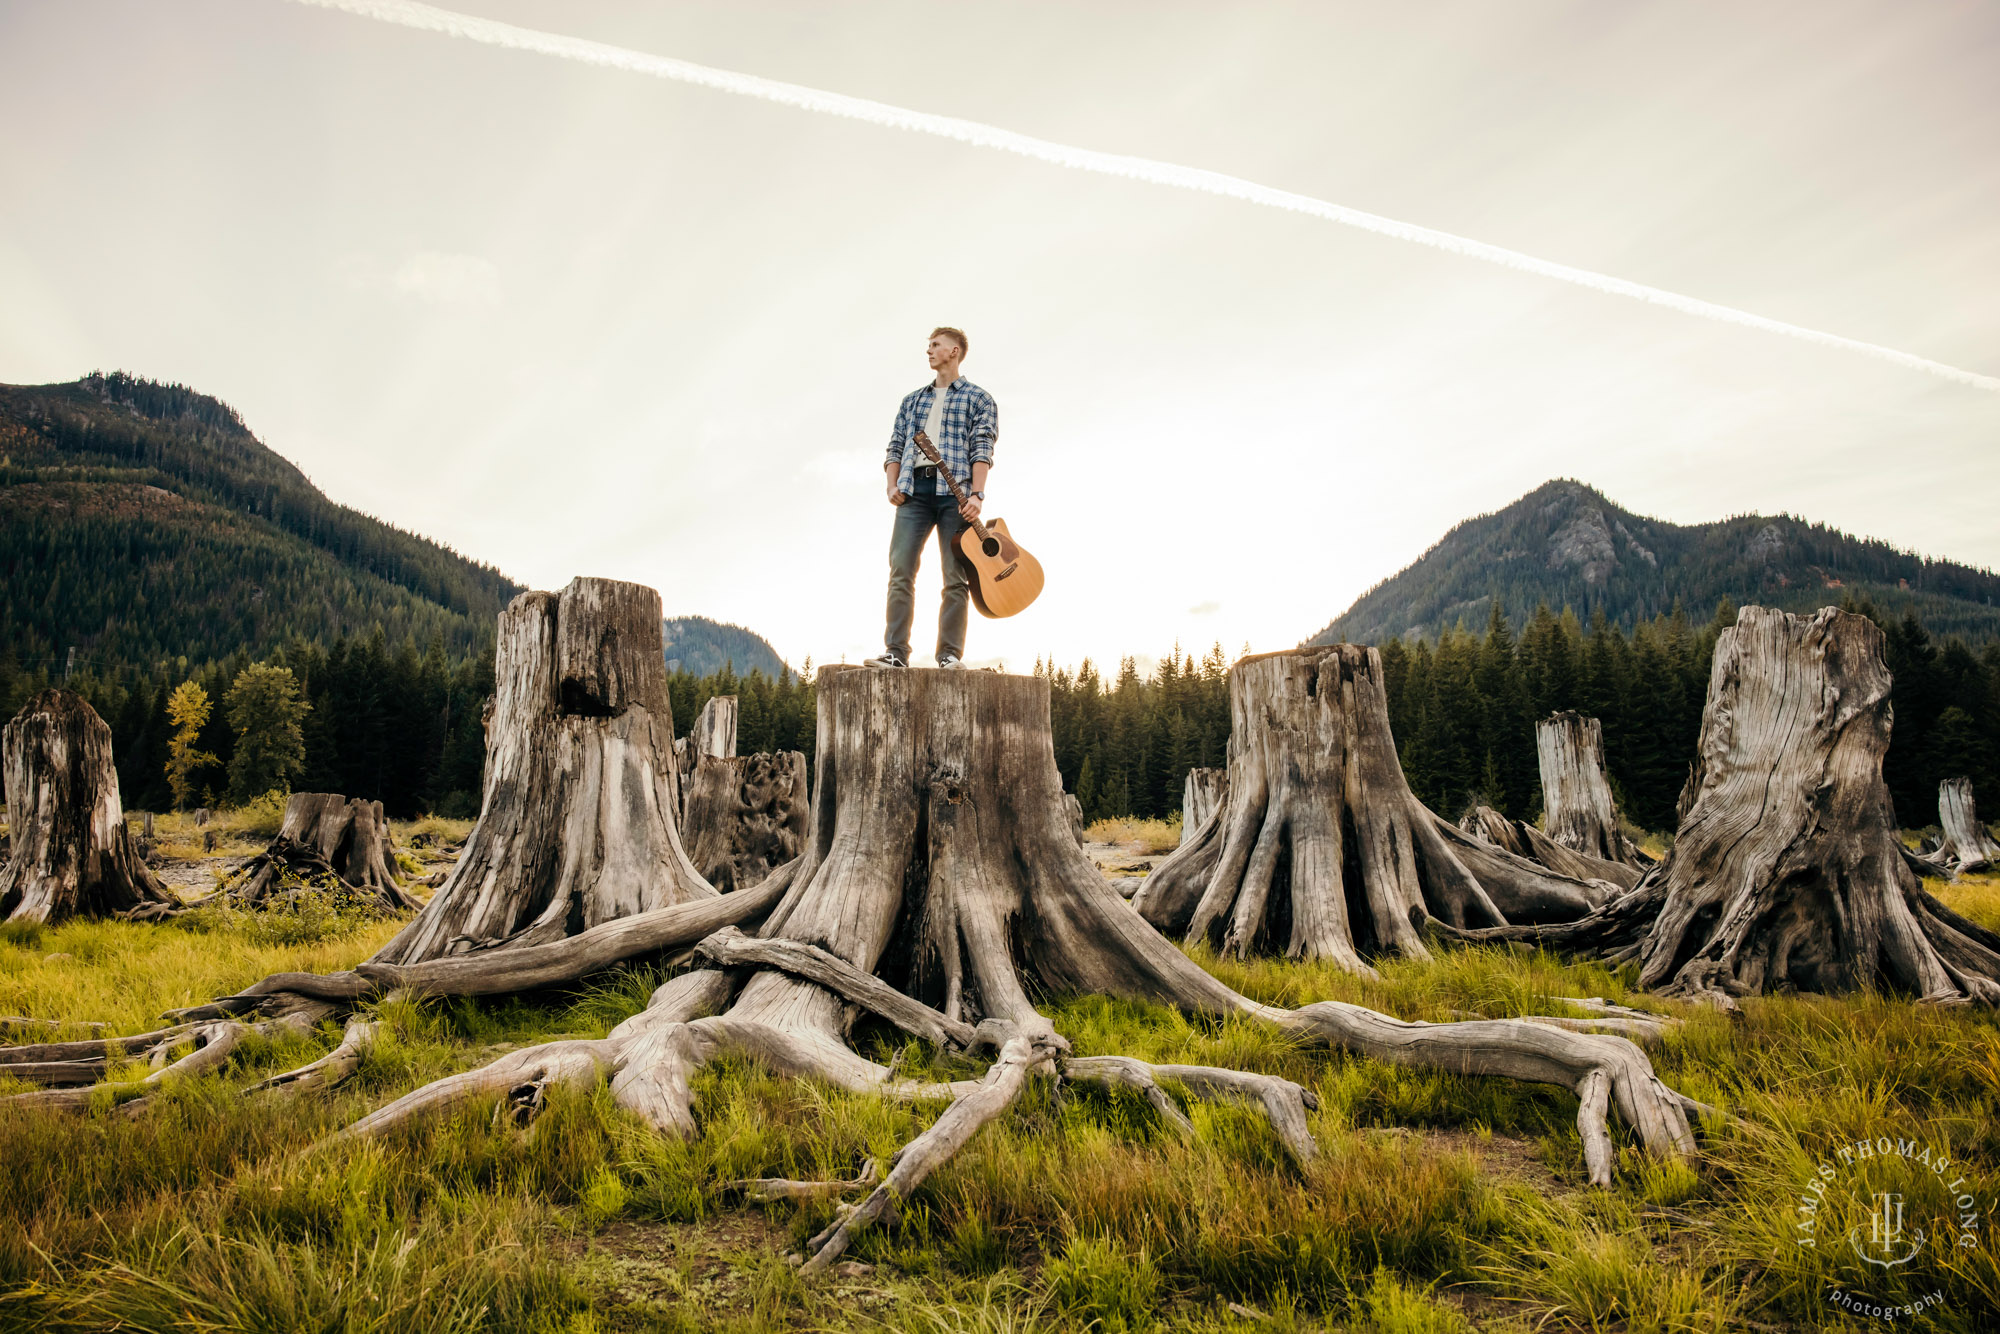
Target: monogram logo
(1885, 1244)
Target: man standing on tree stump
(961, 420)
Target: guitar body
(1004, 577)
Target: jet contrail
(429, 18)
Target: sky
(573, 320)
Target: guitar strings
(429, 18)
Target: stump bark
(1786, 873)
(1576, 792)
(1201, 793)
(746, 816)
(578, 818)
(1966, 842)
(72, 854)
(1318, 848)
(326, 835)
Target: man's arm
(981, 430)
(970, 509)
(899, 440)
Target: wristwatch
(976, 495)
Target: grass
(1141, 838)
(1441, 1203)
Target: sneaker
(952, 664)
(886, 660)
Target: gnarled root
(1284, 1102)
(1603, 1069)
(932, 1149)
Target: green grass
(1441, 1202)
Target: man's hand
(895, 497)
(969, 511)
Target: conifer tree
(188, 708)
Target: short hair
(956, 336)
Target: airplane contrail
(429, 18)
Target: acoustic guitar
(1003, 576)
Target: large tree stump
(322, 836)
(746, 816)
(71, 853)
(1966, 842)
(1318, 848)
(1201, 793)
(1576, 792)
(577, 823)
(1786, 873)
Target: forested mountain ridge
(142, 523)
(1565, 545)
(699, 646)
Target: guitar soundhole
(991, 546)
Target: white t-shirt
(933, 429)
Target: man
(961, 420)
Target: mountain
(698, 646)
(143, 523)
(1565, 544)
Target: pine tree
(266, 712)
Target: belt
(927, 473)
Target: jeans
(915, 518)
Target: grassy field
(1442, 1203)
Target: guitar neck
(957, 491)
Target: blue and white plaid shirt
(971, 421)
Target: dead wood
(746, 816)
(325, 840)
(72, 854)
(1201, 792)
(578, 820)
(1576, 791)
(1967, 845)
(941, 887)
(1318, 848)
(1786, 873)
(1524, 840)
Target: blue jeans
(915, 518)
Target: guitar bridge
(1004, 573)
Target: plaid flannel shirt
(971, 421)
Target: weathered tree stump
(713, 736)
(746, 816)
(1576, 792)
(1524, 840)
(1966, 842)
(1201, 793)
(577, 823)
(1787, 873)
(325, 836)
(1318, 848)
(72, 855)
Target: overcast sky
(577, 321)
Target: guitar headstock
(930, 450)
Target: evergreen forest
(402, 723)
